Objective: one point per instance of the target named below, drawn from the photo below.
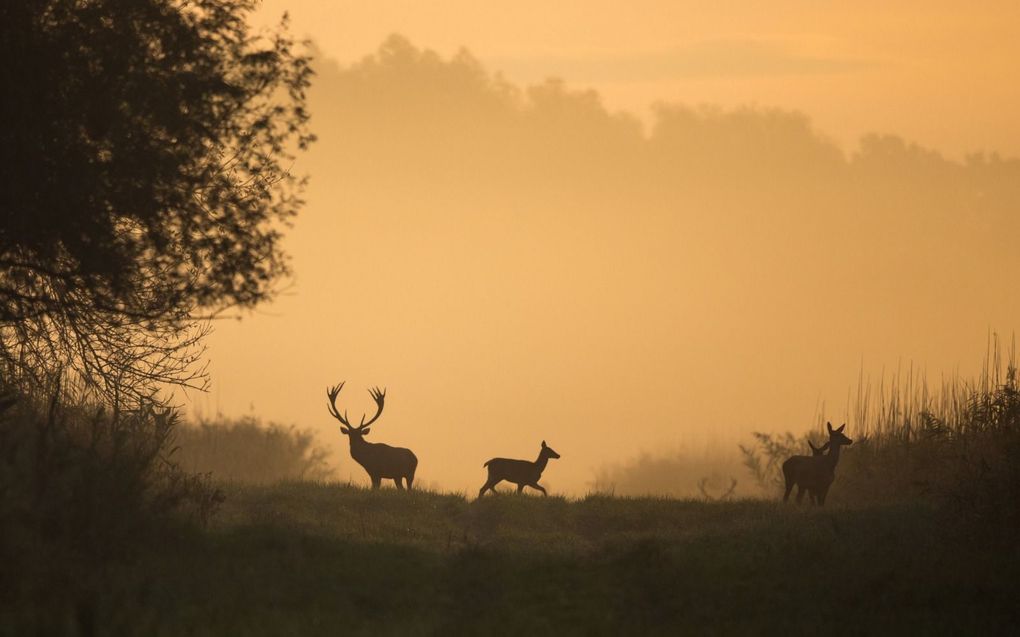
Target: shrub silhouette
(246, 450)
(82, 490)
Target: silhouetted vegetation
(83, 491)
(319, 559)
(147, 185)
(144, 186)
(247, 450)
(956, 444)
(145, 153)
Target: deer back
(513, 470)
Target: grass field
(327, 559)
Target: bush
(245, 450)
(82, 489)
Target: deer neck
(542, 461)
(357, 444)
(833, 456)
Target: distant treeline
(436, 121)
(464, 143)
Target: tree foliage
(146, 154)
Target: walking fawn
(815, 473)
(379, 460)
(520, 472)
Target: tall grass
(956, 440)
(907, 405)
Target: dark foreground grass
(309, 559)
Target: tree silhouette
(145, 150)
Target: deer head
(548, 452)
(818, 451)
(346, 428)
(836, 437)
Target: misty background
(517, 262)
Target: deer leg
(821, 496)
(376, 481)
(535, 485)
(397, 482)
(490, 484)
(410, 480)
(520, 487)
(789, 488)
(800, 493)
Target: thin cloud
(719, 58)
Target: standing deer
(378, 459)
(817, 451)
(815, 473)
(520, 472)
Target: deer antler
(332, 393)
(729, 492)
(703, 487)
(379, 396)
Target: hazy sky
(520, 263)
(940, 72)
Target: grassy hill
(328, 559)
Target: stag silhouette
(521, 472)
(815, 473)
(378, 459)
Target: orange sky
(517, 265)
(939, 72)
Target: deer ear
(364, 432)
(543, 444)
(841, 428)
(829, 425)
(344, 430)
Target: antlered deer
(521, 472)
(378, 459)
(815, 473)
